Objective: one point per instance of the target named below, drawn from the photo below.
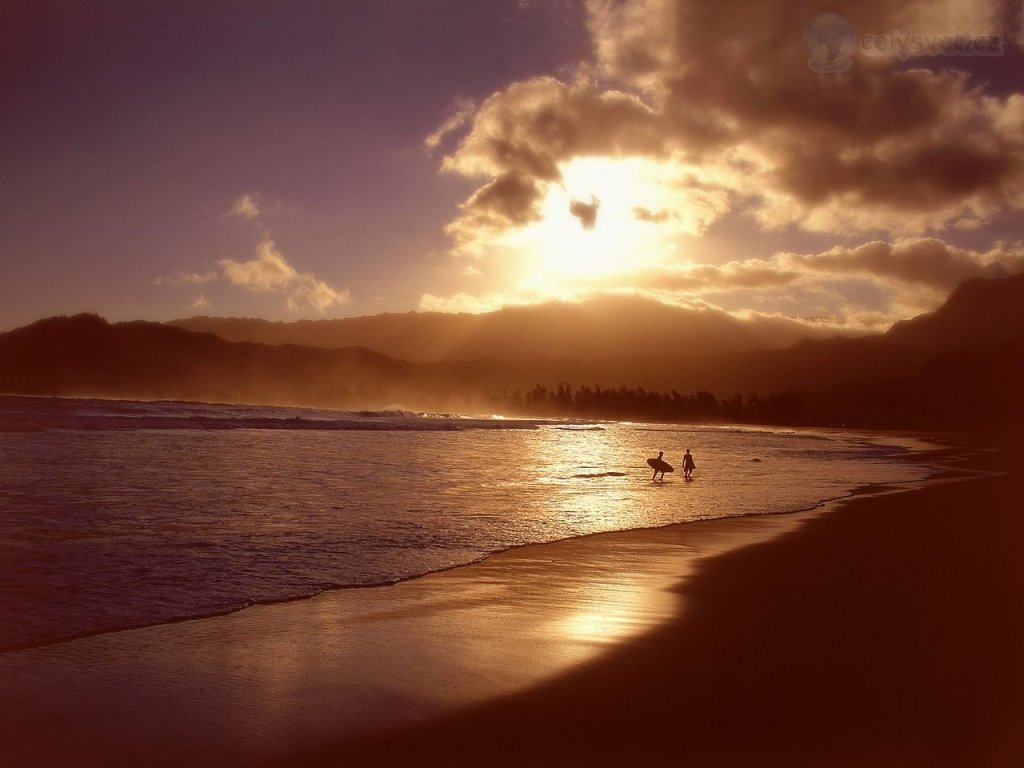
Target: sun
(606, 216)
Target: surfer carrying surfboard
(659, 466)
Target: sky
(841, 164)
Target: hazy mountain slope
(979, 313)
(85, 355)
(418, 337)
(608, 327)
(962, 364)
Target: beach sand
(886, 632)
(272, 681)
(882, 630)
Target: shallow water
(124, 514)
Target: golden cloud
(269, 271)
(708, 85)
(720, 99)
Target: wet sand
(884, 630)
(272, 682)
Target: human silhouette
(688, 464)
(660, 466)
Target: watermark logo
(904, 46)
(830, 42)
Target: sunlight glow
(609, 215)
(614, 609)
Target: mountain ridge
(85, 355)
(980, 311)
(919, 373)
(602, 327)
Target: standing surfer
(688, 465)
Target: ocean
(119, 514)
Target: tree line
(641, 404)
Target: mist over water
(107, 523)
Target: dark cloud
(585, 212)
(531, 126)
(926, 262)
(878, 135)
(720, 99)
(509, 200)
(725, 87)
(654, 217)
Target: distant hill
(957, 367)
(979, 313)
(85, 355)
(611, 327)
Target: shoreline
(882, 631)
(918, 447)
(344, 665)
(364, 660)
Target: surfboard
(660, 466)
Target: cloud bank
(718, 102)
(867, 287)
